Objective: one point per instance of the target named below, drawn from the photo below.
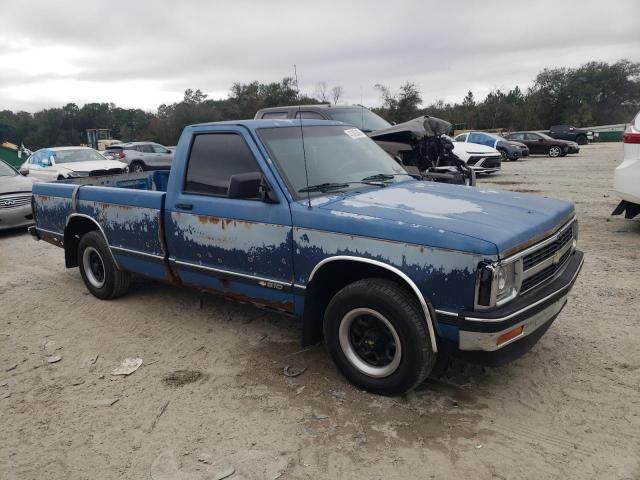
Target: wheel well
(75, 229)
(329, 280)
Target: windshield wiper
(323, 187)
(382, 176)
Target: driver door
(240, 247)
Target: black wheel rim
(372, 341)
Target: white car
(481, 158)
(626, 179)
(59, 163)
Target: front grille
(13, 201)
(488, 162)
(545, 273)
(549, 250)
(100, 173)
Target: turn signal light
(505, 337)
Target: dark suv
(355, 115)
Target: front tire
(377, 336)
(504, 155)
(555, 151)
(100, 275)
(581, 140)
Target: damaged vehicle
(313, 219)
(59, 163)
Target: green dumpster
(9, 155)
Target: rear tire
(377, 336)
(137, 167)
(99, 272)
(582, 140)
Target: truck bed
(128, 209)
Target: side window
(461, 138)
(146, 148)
(214, 158)
(516, 136)
(486, 140)
(159, 149)
(476, 137)
(267, 115)
(532, 136)
(310, 115)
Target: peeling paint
(414, 202)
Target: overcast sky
(140, 53)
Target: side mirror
(24, 171)
(245, 185)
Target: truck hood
(90, 165)
(508, 220)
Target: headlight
(77, 174)
(506, 287)
(497, 283)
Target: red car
(542, 144)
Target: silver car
(141, 156)
(15, 198)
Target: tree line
(595, 93)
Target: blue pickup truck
(313, 219)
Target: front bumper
(478, 335)
(15, 217)
(573, 149)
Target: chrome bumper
(487, 341)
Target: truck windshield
(336, 155)
(364, 119)
(77, 155)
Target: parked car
(540, 143)
(392, 271)
(509, 150)
(15, 198)
(481, 158)
(355, 115)
(142, 156)
(626, 179)
(60, 163)
(570, 133)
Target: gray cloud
(166, 47)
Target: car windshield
(335, 156)
(6, 170)
(364, 119)
(77, 155)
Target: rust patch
(534, 240)
(207, 219)
(105, 206)
(51, 239)
(285, 307)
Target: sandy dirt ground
(211, 397)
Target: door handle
(184, 206)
